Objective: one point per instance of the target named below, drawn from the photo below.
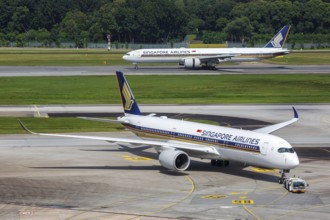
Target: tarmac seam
(175, 203)
(37, 111)
(293, 212)
(251, 213)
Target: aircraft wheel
(219, 163)
(213, 162)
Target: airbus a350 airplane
(183, 139)
(208, 58)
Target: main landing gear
(209, 67)
(220, 163)
(283, 176)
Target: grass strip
(100, 57)
(303, 58)
(10, 125)
(65, 59)
(196, 89)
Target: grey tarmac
(243, 68)
(313, 126)
(60, 178)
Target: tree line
(161, 21)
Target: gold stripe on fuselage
(256, 55)
(150, 134)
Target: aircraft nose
(293, 161)
(127, 57)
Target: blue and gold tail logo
(127, 95)
(129, 104)
(279, 39)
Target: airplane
(194, 58)
(178, 140)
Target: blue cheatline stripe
(194, 138)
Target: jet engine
(192, 63)
(174, 160)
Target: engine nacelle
(192, 63)
(174, 160)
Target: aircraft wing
(191, 149)
(275, 127)
(216, 58)
(101, 120)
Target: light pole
(109, 41)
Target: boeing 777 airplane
(183, 139)
(208, 58)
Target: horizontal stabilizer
(101, 120)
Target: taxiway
(250, 68)
(48, 178)
(61, 178)
(313, 126)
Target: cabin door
(264, 148)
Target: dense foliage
(158, 21)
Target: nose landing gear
(220, 163)
(283, 176)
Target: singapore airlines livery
(208, 58)
(183, 139)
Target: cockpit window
(285, 150)
(128, 54)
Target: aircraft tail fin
(129, 104)
(279, 39)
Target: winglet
(129, 104)
(279, 39)
(25, 128)
(275, 127)
(295, 113)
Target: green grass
(62, 59)
(303, 58)
(5, 50)
(197, 89)
(10, 125)
(100, 57)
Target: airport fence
(114, 45)
(134, 46)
